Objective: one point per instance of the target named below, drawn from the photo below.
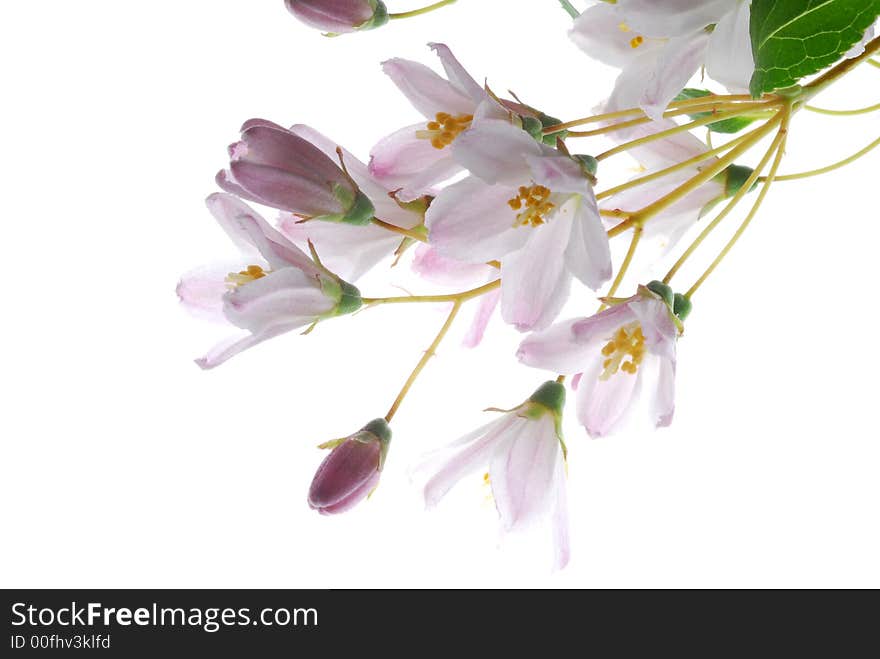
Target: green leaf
(732, 125)
(792, 39)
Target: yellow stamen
(246, 276)
(635, 42)
(627, 342)
(444, 129)
(535, 204)
(623, 27)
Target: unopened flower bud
(339, 16)
(352, 470)
(275, 167)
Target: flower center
(627, 342)
(246, 276)
(532, 205)
(444, 129)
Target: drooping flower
(529, 206)
(274, 289)
(339, 16)
(616, 355)
(416, 158)
(277, 168)
(525, 455)
(660, 45)
(350, 251)
(352, 470)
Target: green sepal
(378, 429)
(588, 163)
(726, 126)
(379, 18)
(550, 396)
(361, 212)
(733, 178)
(533, 127)
(546, 122)
(664, 291)
(682, 306)
(349, 299)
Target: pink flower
(339, 16)
(617, 354)
(660, 45)
(352, 470)
(273, 289)
(416, 158)
(277, 168)
(529, 206)
(525, 455)
(350, 250)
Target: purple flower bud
(275, 167)
(351, 471)
(339, 16)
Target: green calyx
(547, 121)
(361, 211)
(380, 16)
(377, 429)
(550, 396)
(588, 163)
(348, 297)
(533, 127)
(734, 178)
(679, 305)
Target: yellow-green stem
(843, 113)
(774, 168)
(627, 262)
(742, 192)
(464, 296)
(830, 168)
(429, 353)
(409, 233)
(419, 12)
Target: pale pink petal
(522, 472)
(602, 404)
(495, 151)
(598, 328)
(485, 310)
(601, 31)
(201, 290)
(387, 209)
(558, 173)
(458, 76)
(674, 18)
(228, 349)
(347, 251)
(534, 280)
(428, 92)
(729, 58)
(465, 456)
(555, 349)
(630, 86)
(663, 403)
(405, 162)
(656, 321)
(472, 221)
(677, 62)
(559, 521)
(431, 265)
(588, 254)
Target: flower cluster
(487, 193)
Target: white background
(125, 465)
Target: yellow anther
(246, 276)
(635, 42)
(623, 27)
(444, 129)
(535, 204)
(627, 343)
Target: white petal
(674, 18)
(347, 251)
(560, 174)
(534, 280)
(495, 151)
(465, 456)
(555, 349)
(678, 61)
(588, 255)
(522, 472)
(729, 58)
(228, 349)
(431, 265)
(602, 404)
(428, 92)
(457, 74)
(663, 404)
(602, 32)
(485, 311)
(201, 290)
(561, 543)
(471, 221)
